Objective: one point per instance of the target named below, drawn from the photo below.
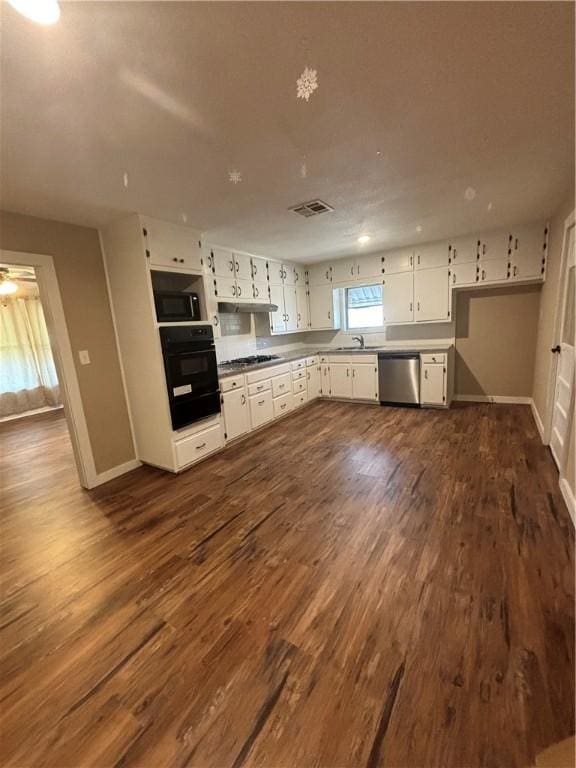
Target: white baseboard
(568, 497)
(494, 399)
(112, 474)
(538, 420)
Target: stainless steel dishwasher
(399, 378)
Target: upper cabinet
(369, 266)
(397, 261)
(344, 271)
(432, 255)
(259, 270)
(494, 245)
(299, 274)
(171, 245)
(432, 295)
(320, 274)
(528, 252)
(464, 250)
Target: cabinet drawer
(343, 359)
(197, 446)
(267, 373)
(299, 386)
(364, 359)
(231, 382)
(311, 361)
(261, 409)
(300, 399)
(324, 358)
(433, 357)
(281, 385)
(301, 374)
(260, 386)
(283, 404)
(298, 364)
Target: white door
(172, 245)
(325, 380)
(340, 380)
(320, 274)
(291, 307)
(288, 274)
(299, 274)
(463, 250)
(464, 274)
(302, 307)
(344, 271)
(493, 270)
(259, 270)
(565, 367)
(370, 265)
(364, 382)
(278, 318)
(432, 384)
(398, 297)
(321, 309)
(397, 261)
(313, 381)
(236, 414)
(225, 287)
(243, 266)
(222, 262)
(527, 246)
(431, 255)
(431, 295)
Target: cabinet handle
(283, 406)
(329, 316)
(216, 320)
(237, 266)
(352, 270)
(418, 258)
(181, 261)
(348, 372)
(231, 263)
(239, 291)
(328, 274)
(483, 249)
(174, 259)
(483, 274)
(243, 400)
(234, 290)
(209, 262)
(515, 270)
(425, 373)
(353, 373)
(453, 277)
(308, 375)
(261, 386)
(411, 261)
(261, 402)
(255, 292)
(516, 244)
(281, 386)
(418, 306)
(410, 306)
(299, 317)
(254, 270)
(199, 447)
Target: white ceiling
(176, 95)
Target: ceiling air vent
(312, 208)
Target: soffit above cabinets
(429, 120)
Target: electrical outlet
(84, 357)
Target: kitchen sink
(355, 348)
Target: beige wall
(80, 271)
(496, 341)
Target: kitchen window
(364, 307)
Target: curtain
(27, 374)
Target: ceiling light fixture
(364, 239)
(41, 11)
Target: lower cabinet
(261, 409)
(432, 384)
(325, 380)
(340, 380)
(313, 381)
(193, 448)
(364, 382)
(283, 404)
(236, 413)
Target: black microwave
(176, 306)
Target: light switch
(84, 357)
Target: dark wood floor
(354, 586)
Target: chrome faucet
(360, 339)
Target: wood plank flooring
(353, 586)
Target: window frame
(344, 310)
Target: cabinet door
(527, 257)
(398, 297)
(291, 308)
(431, 255)
(464, 250)
(432, 295)
(299, 274)
(495, 245)
(244, 289)
(302, 307)
(259, 270)
(364, 382)
(397, 261)
(370, 265)
(432, 384)
(261, 409)
(278, 318)
(288, 273)
(222, 262)
(344, 271)
(340, 380)
(325, 380)
(494, 271)
(243, 266)
(225, 287)
(260, 291)
(171, 245)
(321, 309)
(236, 413)
(464, 274)
(313, 382)
(275, 273)
(320, 274)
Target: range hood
(246, 307)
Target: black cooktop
(250, 360)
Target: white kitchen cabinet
(464, 274)
(225, 287)
(243, 266)
(344, 271)
(282, 385)
(261, 409)
(244, 289)
(172, 245)
(290, 308)
(432, 384)
(431, 295)
(322, 314)
(190, 449)
(398, 297)
(302, 306)
(397, 261)
(320, 274)
(222, 263)
(325, 380)
(259, 270)
(431, 255)
(464, 250)
(527, 258)
(275, 273)
(369, 265)
(288, 273)
(299, 274)
(236, 413)
(493, 270)
(283, 405)
(300, 399)
(364, 381)
(494, 245)
(341, 380)
(260, 292)
(313, 381)
(278, 318)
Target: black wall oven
(176, 306)
(191, 373)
